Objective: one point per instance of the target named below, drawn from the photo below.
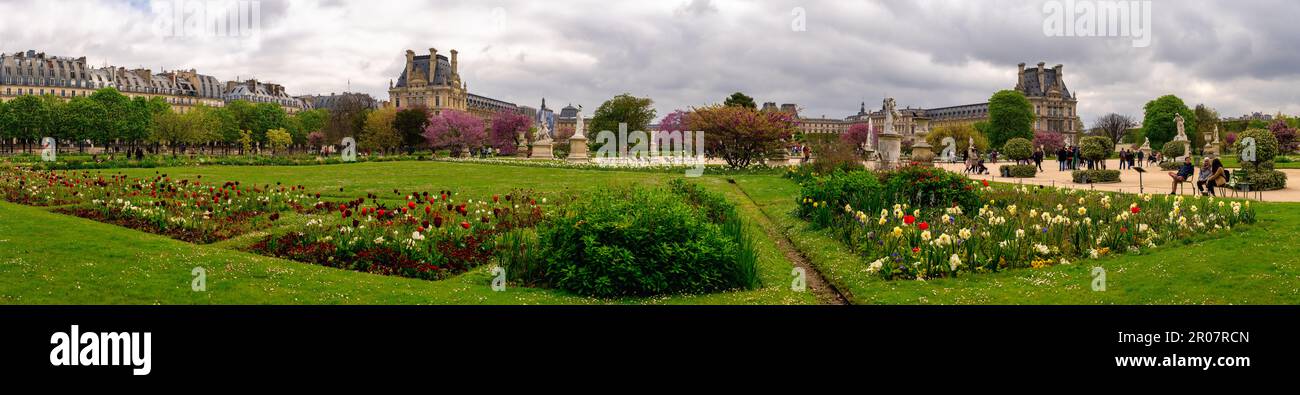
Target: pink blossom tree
(857, 135)
(1050, 141)
(506, 127)
(673, 122)
(455, 130)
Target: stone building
(912, 123)
(332, 101)
(255, 91)
(34, 73)
(1055, 106)
(568, 119)
(433, 81)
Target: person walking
(1038, 158)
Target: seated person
(1184, 173)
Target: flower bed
(189, 210)
(1022, 227)
(430, 236)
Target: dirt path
(822, 289)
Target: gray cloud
(1237, 56)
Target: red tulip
(916, 250)
(411, 205)
(464, 224)
(924, 226)
(908, 219)
(1135, 209)
(496, 199)
(986, 183)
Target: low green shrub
(1262, 177)
(635, 241)
(859, 189)
(1095, 176)
(1175, 149)
(925, 187)
(1019, 171)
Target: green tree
(961, 134)
(1158, 122)
(266, 116)
(410, 124)
(739, 99)
(278, 139)
(171, 130)
(636, 112)
(85, 119)
(378, 133)
(26, 115)
(1206, 119)
(1010, 116)
(116, 108)
(6, 132)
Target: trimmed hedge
(1096, 176)
(1019, 171)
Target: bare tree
(1113, 126)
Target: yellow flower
(898, 232)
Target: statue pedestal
(578, 149)
(891, 148)
(922, 153)
(1210, 149)
(1187, 146)
(542, 151)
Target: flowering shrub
(1022, 227)
(430, 236)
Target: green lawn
(1258, 265)
(1232, 162)
(46, 258)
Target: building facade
(1055, 106)
(32, 73)
(433, 81)
(35, 73)
(332, 102)
(263, 92)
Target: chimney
(1060, 81)
(1020, 77)
(455, 68)
(410, 65)
(433, 64)
(1042, 76)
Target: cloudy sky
(1238, 56)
